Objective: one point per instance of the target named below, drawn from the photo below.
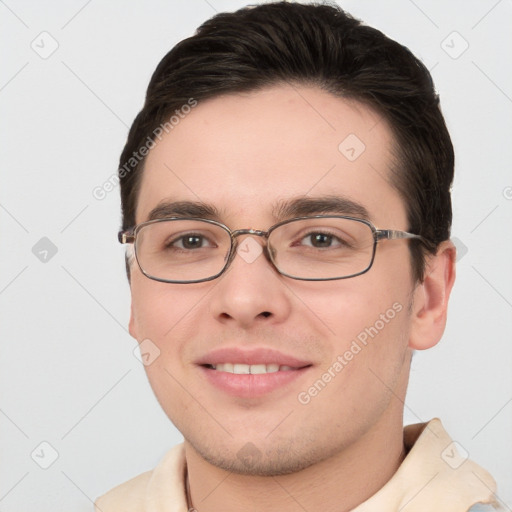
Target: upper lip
(263, 355)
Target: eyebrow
(282, 210)
(183, 209)
(303, 206)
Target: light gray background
(68, 374)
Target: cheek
(160, 309)
(372, 329)
(161, 312)
(359, 305)
(367, 361)
(369, 322)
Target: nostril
(266, 314)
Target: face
(341, 346)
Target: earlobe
(430, 302)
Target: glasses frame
(129, 236)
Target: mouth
(251, 373)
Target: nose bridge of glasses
(255, 232)
(267, 251)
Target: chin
(252, 460)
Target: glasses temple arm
(125, 237)
(393, 234)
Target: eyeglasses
(317, 248)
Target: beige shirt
(433, 477)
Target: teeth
(257, 368)
(254, 369)
(241, 368)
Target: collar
(433, 476)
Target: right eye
(189, 241)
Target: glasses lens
(322, 248)
(182, 250)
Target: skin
(242, 153)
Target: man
(286, 207)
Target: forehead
(247, 154)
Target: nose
(251, 291)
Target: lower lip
(248, 385)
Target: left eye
(321, 240)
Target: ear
(430, 298)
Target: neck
(338, 483)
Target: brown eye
(320, 240)
(190, 241)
